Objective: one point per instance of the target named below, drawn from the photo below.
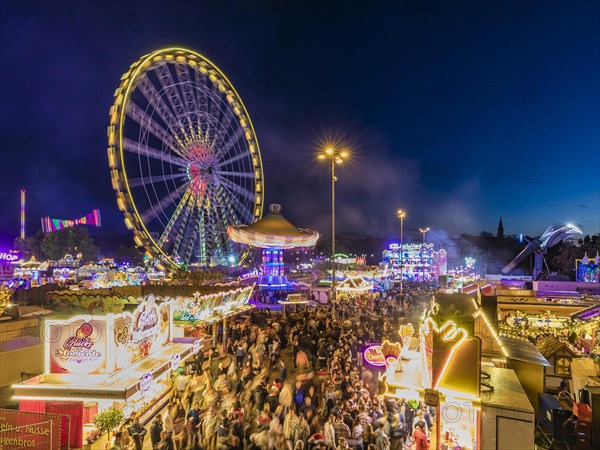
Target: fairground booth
(123, 359)
(437, 367)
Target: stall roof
(587, 313)
(549, 345)
(118, 386)
(508, 392)
(523, 351)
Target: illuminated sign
(146, 382)
(10, 256)
(197, 346)
(77, 347)
(106, 344)
(175, 360)
(383, 355)
(374, 356)
(141, 333)
(22, 429)
(252, 274)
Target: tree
(563, 259)
(130, 254)
(107, 420)
(31, 245)
(72, 240)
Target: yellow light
(329, 151)
(401, 214)
(321, 156)
(344, 154)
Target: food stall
(94, 362)
(442, 372)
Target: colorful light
(49, 225)
(22, 214)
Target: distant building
(500, 234)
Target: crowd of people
(291, 383)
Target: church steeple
(500, 234)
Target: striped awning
(273, 230)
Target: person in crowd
(126, 440)
(155, 430)
(138, 432)
(420, 436)
(116, 441)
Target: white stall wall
(505, 429)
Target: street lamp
(401, 215)
(335, 157)
(424, 232)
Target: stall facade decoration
(210, 307)
(354, 284)
(444, 372)
(123, 359)
(95, 345)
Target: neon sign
(9, 256)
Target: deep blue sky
(458, 112)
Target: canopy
(355, 284)
(273, 231)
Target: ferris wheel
(184, 159)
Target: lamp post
(334, 157)
(401, 215)
(424, 232)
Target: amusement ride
(184, 159)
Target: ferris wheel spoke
(144, 181)
(249, 175)
(144, 150)
(149, 124)
(230, 142)
(235, 158)
(168, 84)
(183, 74)
(201, 100)
(157, 102)
(167, 231)
(231, 214)
(224, 127)
(243, 212)
(185, 224)
(153, 211)
(238, 189)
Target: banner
(21, 429)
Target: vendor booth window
(563, 366)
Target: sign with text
(77, 347)
(22, 429)
(431, 398)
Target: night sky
(457, 112)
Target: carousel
(273, 234)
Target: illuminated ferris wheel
(184, 158)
